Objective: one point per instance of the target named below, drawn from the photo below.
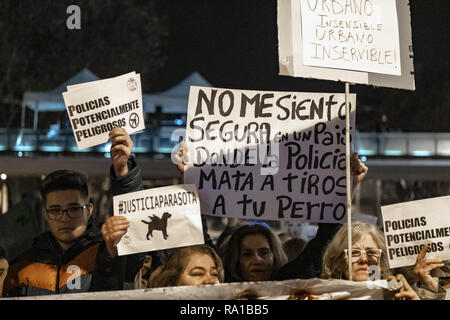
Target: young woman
(253, 253)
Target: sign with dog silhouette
(157, 223)
(160, 218)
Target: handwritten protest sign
(354, 35)
(408, 225)
(160, 218)
(96, 107)
(268, 155)
(347, 40)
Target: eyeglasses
(73, 212)
(373, 255)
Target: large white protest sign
(354, 35)
(347, 41)
(268, 155)
(160, 218)
(95, 108)
(408, 225)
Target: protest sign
(95, 108)
(160, 218)
(347, 41)
(354, 35)
(268, 155)
(408, 225)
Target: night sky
(233, 44)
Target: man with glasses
(73, 255)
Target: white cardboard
(415, 223)
(352, 35)
(182, 227)
(290, 49)
(119, 102)
(223, 185)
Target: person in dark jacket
(308, 263)
(73, 255)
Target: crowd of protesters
(248, 252)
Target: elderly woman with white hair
(368, 250)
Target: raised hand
(424, 267)
(120, 150)
(357, 168)
(406, 292)
(112, 231)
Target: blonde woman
(189, 266)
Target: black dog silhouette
(158, 223)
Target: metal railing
(401, 144)
(158, 140)
(154, 140)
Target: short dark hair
(64, 180)
(3, 253)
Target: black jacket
(46, 269)
(309, 262)
(86, 266)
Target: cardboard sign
(160, 218)
(268, 155)
(354, 35)
(408, 225)
(337, 33)
(96, 107)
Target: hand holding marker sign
(95, 108)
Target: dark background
(233, 44)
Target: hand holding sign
(181, 158)
(120, 150)
(358, 169)
(112, 231)
(424, 269)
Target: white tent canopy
(173, 100)
(52, 100)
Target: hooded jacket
(46, 269)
